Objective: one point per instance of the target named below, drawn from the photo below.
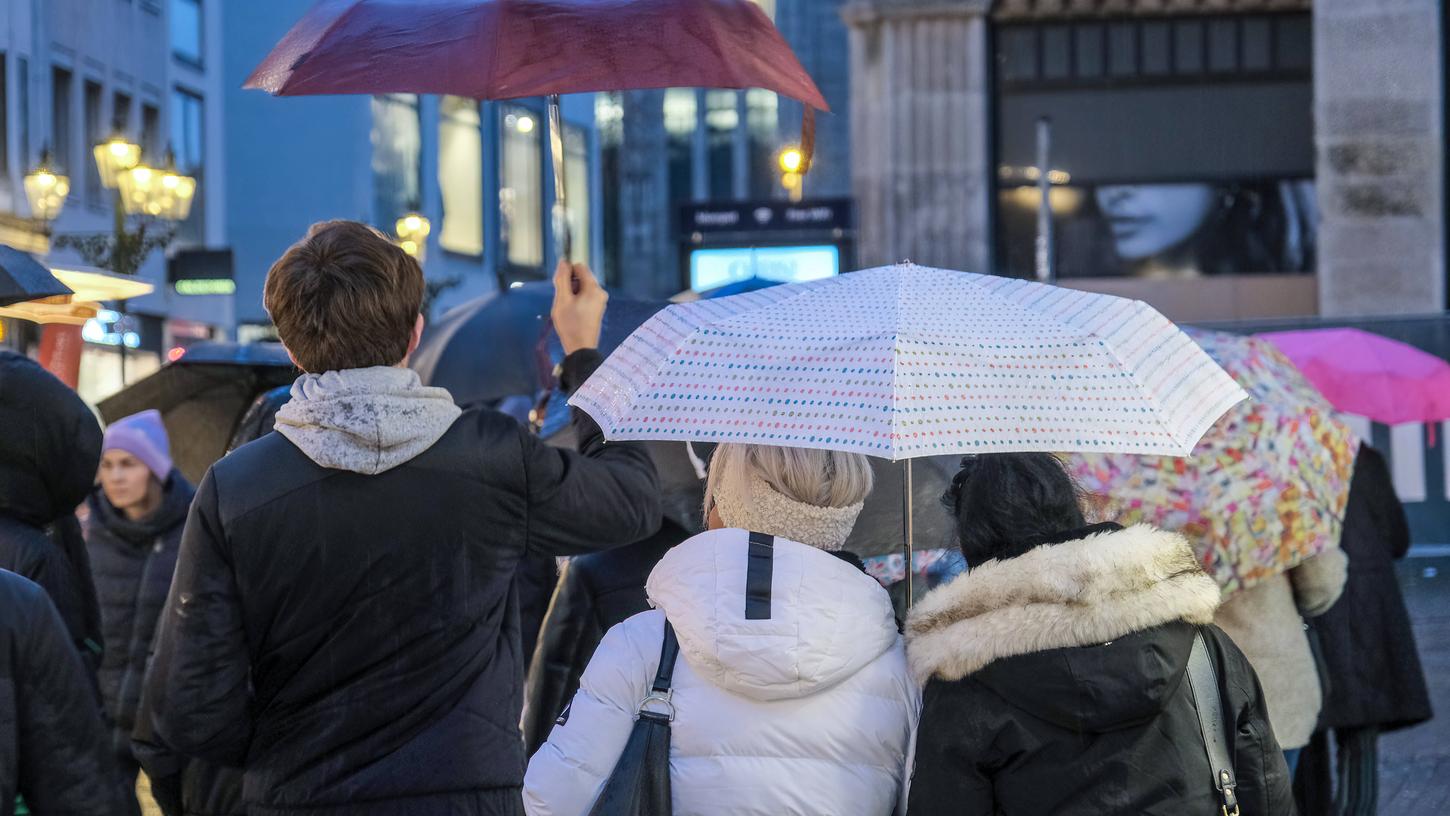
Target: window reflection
(460, 175)
(397, 153)
(520, 195)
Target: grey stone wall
(920, 135)
(1380, 152)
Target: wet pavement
(1415, 763)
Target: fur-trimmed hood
(1082, 592)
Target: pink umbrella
(1369, 375)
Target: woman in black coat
(1376, 681)
(1056, 667)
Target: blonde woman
(791, 691)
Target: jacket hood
(1038, 625)
(366, 420)
(50, 445)
(175, 503)
(826, 619)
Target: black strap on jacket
(669, 650)
(1203, 682)
(758, 571)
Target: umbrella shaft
(908, 528)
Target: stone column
(921, 132)
(1378, 103)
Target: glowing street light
(46, 189)
(115, 156)
(412, 230)
(792, 166)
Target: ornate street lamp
(46, 189)
(115, 156)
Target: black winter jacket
(595, 592)
(50, 447)
(1057, 687)
(1367, 641)
(53, 750)
(353, 640)
(132, 562)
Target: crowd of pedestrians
(332, 621)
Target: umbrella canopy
(506, 49)
(905, 361)
(1363, 373)
(23, 278)
(202, 396)
(501, 345)
(1266, 487)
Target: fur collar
(1077, 593)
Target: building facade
(1223, 161)
(479, 173)
(73, 73)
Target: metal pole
(562, 239)
(908, 526)
(1046, 272)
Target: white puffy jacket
(810, 711)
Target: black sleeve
(202, 667)
(945, 780)
(602, 496)
(1263, 776)
(1372, 475)
(554, 676)
(65, 759)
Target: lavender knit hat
(144, 437)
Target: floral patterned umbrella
(1264, 489)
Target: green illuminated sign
(206, 286)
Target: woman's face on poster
(1149, 219)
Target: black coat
(353, 640)
(1368, 643)
(132, 562)
(596, 592)
(53, 749)
(50, 447)
(1093, 730)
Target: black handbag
(639, 785)
(1207, 699)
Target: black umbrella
(23, 278)
(500, 345)
(202, 397)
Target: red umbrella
(507, 49)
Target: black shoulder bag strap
(1203, 682)
(660, 691)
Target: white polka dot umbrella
(905, 361)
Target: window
(721, 119)
(186, 140)
(23, 80)
(520, 194)
(95, 134)
(186, 30)
(762, 118)
(150, 129)
(121, 113)
(60, 89)
(397, 155)
(5, 119)
(609, 124)
(460, 175)
(681, 119)
(576, 182)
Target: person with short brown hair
(345, 297)
(344, 622)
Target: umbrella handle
(908, 527)
(563, 241)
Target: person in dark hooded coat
(49, 448)
(1055, 667)
(53, 750)
(343, 623)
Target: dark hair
(1008, 503)
(344, 297)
